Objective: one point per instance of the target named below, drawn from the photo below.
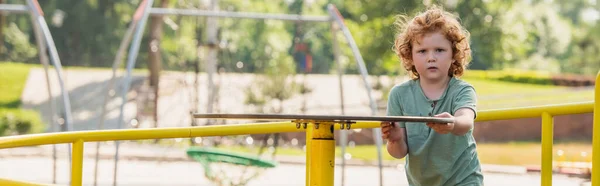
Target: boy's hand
(390, 132)
(442, 128)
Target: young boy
(434, 49)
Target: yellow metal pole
(140, 134)
(535, 111)
(77, 162)
(596, 136)
(308, 153)
(322, 162)
(19, 183)
(547, 141)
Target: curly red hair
(435, 19)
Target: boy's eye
(421, 51)
(439, 50)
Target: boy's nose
(430, 58)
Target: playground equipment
(334, 18)
(78, 138)
(235, 162)
(320, 148)
(136, 29)
(45, 43)
(135, 24)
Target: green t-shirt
(436, 159)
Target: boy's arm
(398, 149)
(463, 121)
(465, 111)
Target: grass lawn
(493, 94)
(12, 82)
(529, 153)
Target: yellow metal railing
(596, 136)
(21, 183)
(547, 113)
(320, 141)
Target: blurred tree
(2, 23)
(547, 35)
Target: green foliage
(18, 46)
(18, 121)
(512, 75)
(254, 99)
(583, 55)
(279, 82)
(276, 84)
(542, 37)
(13, 120)
(91, 31)
(555, 36)
(12, 81)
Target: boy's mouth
(432, 68)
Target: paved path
(190, 173)
(152, 165)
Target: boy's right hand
(390, 132)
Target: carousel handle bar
(332, 118)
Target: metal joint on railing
(300, 123)
(349, 125)
(346, 125)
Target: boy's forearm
(397, 149)
(462, 125)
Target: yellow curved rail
(314, 170)
(20, 183)
(596, 136)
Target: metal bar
(143, 134)
(116, 64)
(330, 118)
(343, 133)
(244, 129)
(308, 151)
(20, 183)
(77, 163)
(322, 155)
(596, 136)
(247, 15)
(131, 58)
(536, 111)
(9, 8)
(40, 22)
(41, 44)
(547, 142)
(210, 65)
(337, 18)
(55, 60)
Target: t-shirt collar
(420, 90)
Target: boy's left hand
(442, 128)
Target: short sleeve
(394, 108)
(466, 98)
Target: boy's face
(432, 56)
